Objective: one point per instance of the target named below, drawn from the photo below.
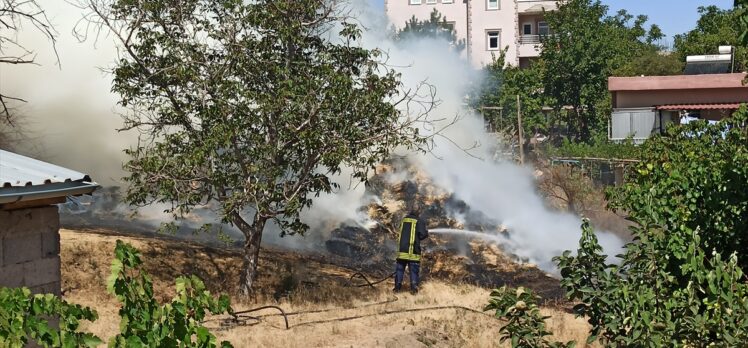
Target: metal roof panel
(714, 106)
(19, 171)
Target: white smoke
(73, 118)
(71, 115)
(503, 191)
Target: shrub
(694, 178)
(680, 282)
(675, 297)
(525, 326)
(24, 316)
(146, 323)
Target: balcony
(529, 46)
(529, 39)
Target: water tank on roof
(711, 63)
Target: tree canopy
(435, 27)
(586, 47)
(252, 107)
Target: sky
(673, 16)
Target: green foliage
(693, 177)
(598, 148)
(525, 326)
(146, 323)
(652, 63)
(586, 47)
(528, 84)
(680, 282)
(488, 91)
(667, 292)
(500, 87)
(24, 316)
(436, 27)
(715, 27)
(741, 9)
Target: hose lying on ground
(237, 315)
(283, 313)
(368, 283)
(407, 310)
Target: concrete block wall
(30, 249)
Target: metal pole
(521, 140)
(467, 25)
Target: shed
(646, 104)
(30, 221)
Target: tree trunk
(252, 239)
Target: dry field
(324, 310)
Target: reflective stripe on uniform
(408, 257)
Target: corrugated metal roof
(714, 106)
(17, 170)
(27, 179)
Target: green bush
(24, 316)
(680, 282)
(694, 178)
(146, 323)
(525, 326)
(676, 297)
(599, 147)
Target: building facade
(487, 26)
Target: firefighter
(412, 232)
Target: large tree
(15, 15)
(586, 47)
(496, 96)
(741, 7)
(253, 107)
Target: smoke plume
(73, 117)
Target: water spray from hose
(485, 236)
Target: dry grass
(325, 312)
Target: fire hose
(237, 316)
(368, 283)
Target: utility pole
(519, 131)
(467, 27)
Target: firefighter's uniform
(412, 232)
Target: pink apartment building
(487, 26)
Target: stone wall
(30, 249)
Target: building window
(493, 40)
(527, 29)
(447, 1)
(415, 2)
(543, 28)
(430, 1)
(492, 4)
